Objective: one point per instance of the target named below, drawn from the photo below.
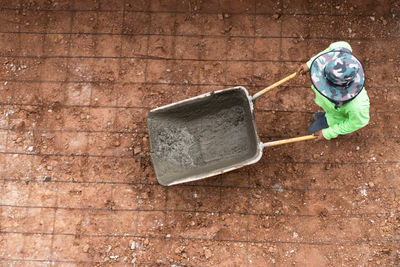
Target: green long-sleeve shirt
(348, 118)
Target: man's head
(338, 75)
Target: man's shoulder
(340, 44)
(360, 101)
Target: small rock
(278, 187)
(137, 150)
(49, 168)
(328, 167)
(357, 148)
(323, 213)
(19, 126)
(228, 29)
(364, 192)
(257, 196)
(145, 141)
(371, 184)
(179, 249)
(86, 248)
(220, 16)
(226, 15)
(133, 245)
(144, 195)
(47, 179)
(276, 16)
(207, 253)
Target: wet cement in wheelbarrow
(202, 135)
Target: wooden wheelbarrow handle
(285, 141)
(263, 91)
(290, 140)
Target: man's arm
(355, 121)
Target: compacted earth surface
(78, 79)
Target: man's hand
(303, 69)
(319, 135)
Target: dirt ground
(78, 78)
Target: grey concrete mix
(202, 135)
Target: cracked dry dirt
(77, 79)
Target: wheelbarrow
(207, 135)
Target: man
(337, 78)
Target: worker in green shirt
(337, 78)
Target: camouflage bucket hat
(337, 75)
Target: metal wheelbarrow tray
(205, 135)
